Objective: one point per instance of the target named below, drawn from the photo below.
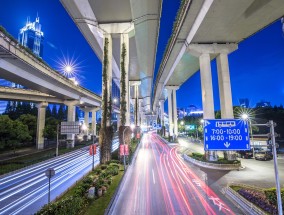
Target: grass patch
(98, 206)
(236, 188)
(221, 160)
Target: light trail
(25, 191)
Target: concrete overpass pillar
(224, 86)
(94, 121)
(140, 112)
(170, 110)
(206, 85)
(225, 92)
(118, 120)
(40, 124)
(135, 85)
(109, 77)
(175, 112)
(161, 104)
(71, 110)
(124, 39)
(203, 51)
(86, 119)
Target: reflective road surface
(26, 191)
(160, 182)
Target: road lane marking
(153, 176)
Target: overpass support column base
(70, 118)
(40, 124)
(170, 107)
(211, 155)
(207, 95)
(94, 122)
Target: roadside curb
(115, 196)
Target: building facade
(32, 37)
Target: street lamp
(246, 117)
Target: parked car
(263, 155)
(245, 154)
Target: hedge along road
(26, 191)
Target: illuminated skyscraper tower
(32, 37)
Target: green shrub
(103, 167)
(114, 161)
(71, 206)
(225, 161)
(87, 180)
(97, 171)
(115, 165)
(115, 171)
(272, 196)
(80, 191)
(103, 175)
(197, 156)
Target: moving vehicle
(245, 154)
(263, 155)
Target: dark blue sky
(257, 67)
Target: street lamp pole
(93, 168)
(57, 141)
(250, 126)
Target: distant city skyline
(256, 68)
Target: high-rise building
(244, 102)
(263, 103)
(32, 37)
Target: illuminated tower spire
(32, 37)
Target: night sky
(257, 67)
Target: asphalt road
(160, 182)
(26, 191)
(255, 172)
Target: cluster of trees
(14, 132)
(18, 124)
(257, 115)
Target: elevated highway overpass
(205, 30)
(17, 65)
(133, 22)
(42, 100)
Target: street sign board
(92, 149)
(49, 172)
(123, 149)
(226, 135)
(69, 128)
(189, 127)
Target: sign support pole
(278, 189)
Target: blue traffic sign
(226, 135)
